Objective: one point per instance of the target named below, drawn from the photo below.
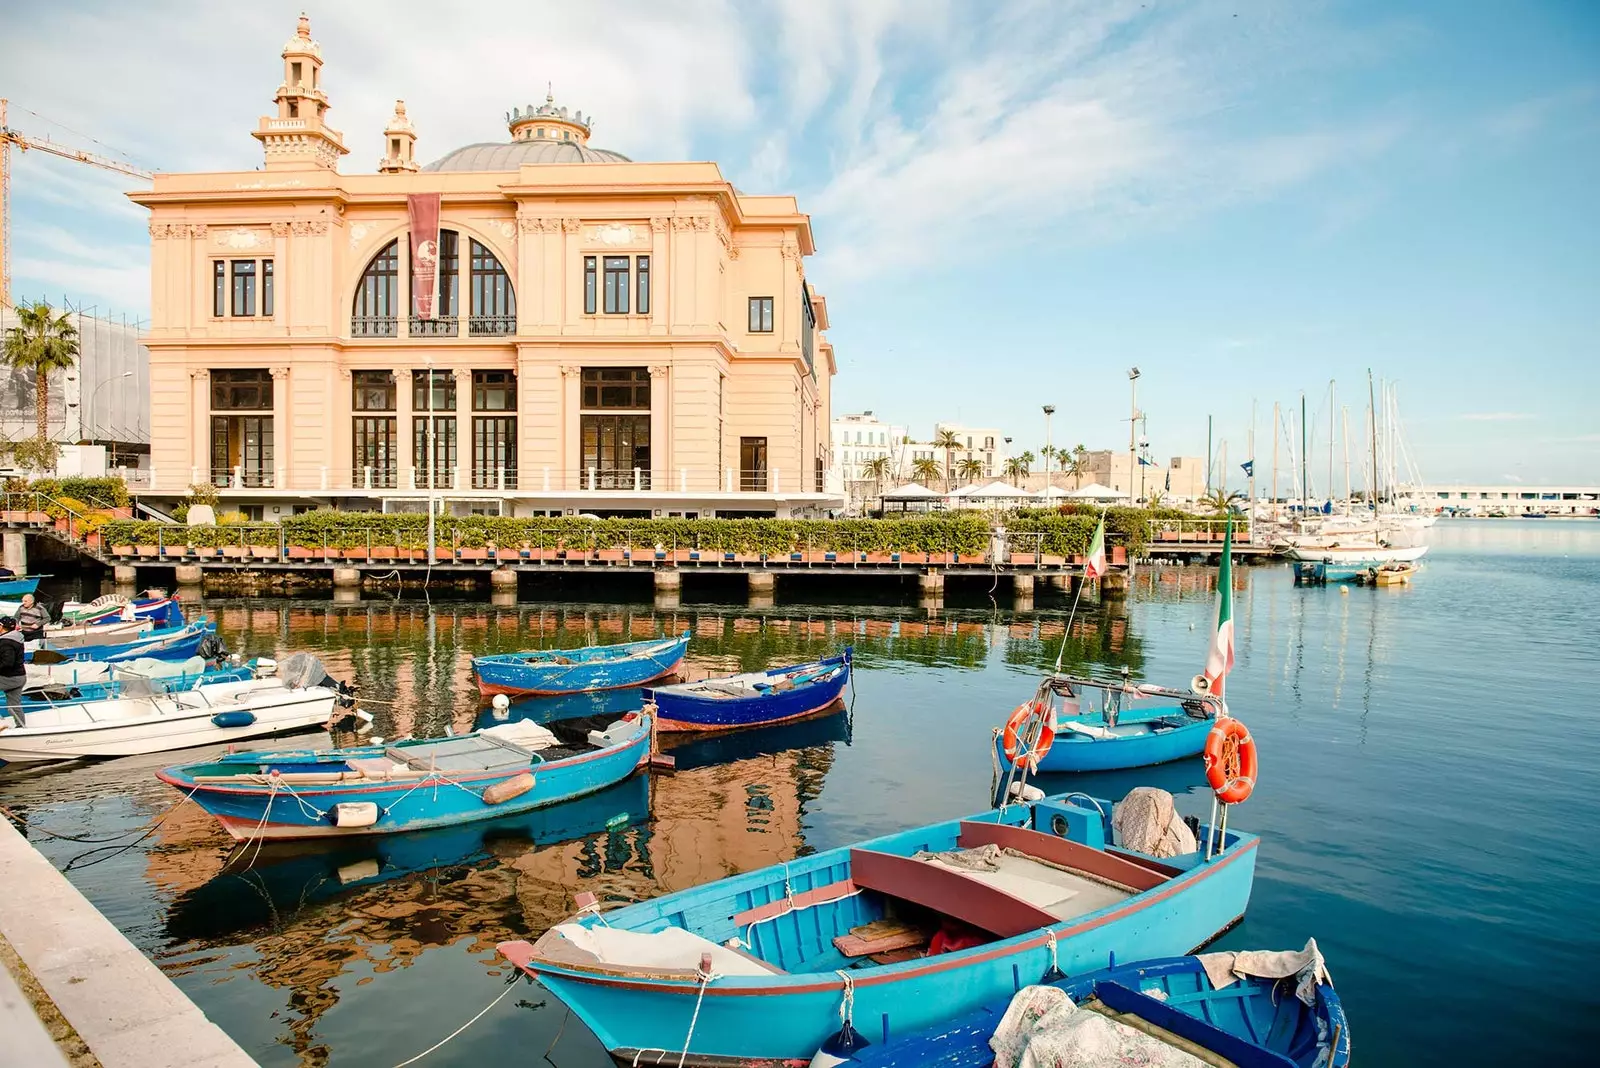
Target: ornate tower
(548, 123)
(298, 136)
(400, 143)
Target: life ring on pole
(1231, 764)
(1015, 739)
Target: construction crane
(24, 142)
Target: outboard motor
(211, 649)
(304, 669)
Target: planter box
(355, 554)
(1053, 561)
(473, 554)
(264, 552)
(235, 552)
(148, 550)
(1023, 559)
(612, 556)
(298, 553)
(385, 552)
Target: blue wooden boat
(1106, 724)
(1253, 1022)
(162, 643)
(412, 785)
(270, 886)
(753, 699)
(18, 585)
(594, 667)
(586, 704)
(119, 684)
(755, 968)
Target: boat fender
(502, 792)
(236, 718)
(1021, 791)
(1017, 730)
(502, 708)
(840, 1048)
(354, 814)
(1230, 761)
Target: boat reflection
(600, 705)
(275, 885)
(690, 751)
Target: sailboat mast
(1332, 407)
(1372, 413)
(1345, 437)
(1305, 471)
(1275, 409)
(1252, 469)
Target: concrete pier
(346, 578)
(1114, 584)
(1022, 585)
(503, 578)
(931, 584)
(1060, 582)
(125, 1010)
(189, 574)
(14, 551)
(763, 582)
(668, 578)
(125, 574)
(503, 598)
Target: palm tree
(1075, 464)
(41, 342)
(877, 469)
(1221, 501)
(1017, 467)
(947, 440)
(971, 468)
(926, 468)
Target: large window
(616, 268)
(266, 288)
(376, 307)
(494, 302)
(447, 285)
(236, 286)
(808, 329)
(219, 288)
(374, 452)
(761, 315)
(591, 284)
(435, 437)
(241, 445)
(494, 391)
(494, 452)
(441, 397)
(244, 287)
(373, 391)
(615, 442)
(642, 276)
(753, 464)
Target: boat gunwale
(197, 713)
(680, 689)
(810, 982)
(530, 658)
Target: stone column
(200, 426)
(463, 414)
(281, 474)
(571, 448)
(15, 551)
(1022, 584)
(661, 466)
(660, 272)
(405, 462)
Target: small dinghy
(595, 667)
(410, 785)
(1397, 574)
(893, 934)
(753, 699)
(1252, 1010)
(18, 585)
(87, 680)
(161, 643)
(1104, 724)
(301, 695)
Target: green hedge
(97, 492)
(968, 534)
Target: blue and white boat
(161, 643)
(895, 934)
(594, 667)
(753, 699)
(410, 785)
(1105, 724)
(1256, 1010)
(99, 681)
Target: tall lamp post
(1049, 410)
(1133, 423)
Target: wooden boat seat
(880, 937)
(477, 752)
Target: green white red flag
(1219, 661)
(1096, 565)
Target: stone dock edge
(121, 1005)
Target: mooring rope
(481, 1013)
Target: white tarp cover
(671, 948)
(1147, 821)
(912, 491)
(523, 732)
(1042, 1028)
(299, 670)
(1306, 965)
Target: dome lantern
(547, 122)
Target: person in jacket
(13, 667)
(32, 619)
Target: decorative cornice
(280, 373)
(571, 226)
(702, 222)
(658, 371)
(346, 373)
(198, 373)
(306, 227)
(682, 222)
(569, 371)
(280, 229)
(660, 223)
(791, 251)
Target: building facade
(983, 445)
(531, 327)
(1502, 500)
(859, 439)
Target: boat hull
(784, 1018)
(250, 811)
(164, 733)
(1078, 753)
(680, 711)
(1359, 555)
(537, 675)
(18, 587)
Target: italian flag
(1219, 661)
(1097, 552)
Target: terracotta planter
(385, 552)
(298, 553)
(264, 552)
(612, 556)
(1023, 559)
(235, 552)
(148, 550)
(355, 554)
(474, 555)
(1053, 561)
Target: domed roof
(542, 134)
(493, 156)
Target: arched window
(447, 295)
(494, 302)
(376, 306)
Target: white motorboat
(82, 636)
(125, 726)
(1372, 553)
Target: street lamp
(95, 393)
(1133, 423)
(1049, 410)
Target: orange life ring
(1016, 729)
(1231, 761)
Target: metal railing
(404, 477)
(492, 325)
(1197, 531)
(374, 326)
(438, 326)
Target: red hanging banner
(424, 211)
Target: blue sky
(1013, 202)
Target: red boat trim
(665, 724)
(943, 963)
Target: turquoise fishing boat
(893, 934)
(1106, 724)
(410, 785)
(545, 672)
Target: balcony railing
(374, 477)
(439, 326)
(242, 478)
(492, 325)
(373, 326)
(403, 478)
(485, 477)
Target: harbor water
(1427, 805)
